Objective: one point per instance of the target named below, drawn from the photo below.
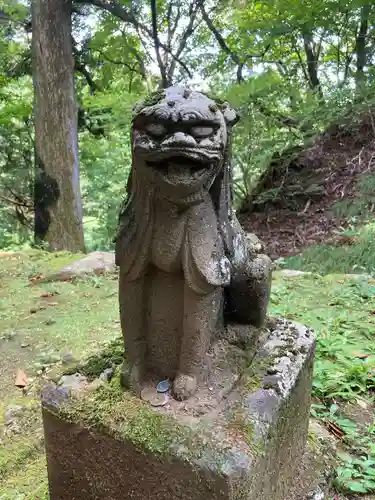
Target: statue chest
(167, 239)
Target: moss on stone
(92, 367)
(150, 100)
(115, 412)
(125, 417)
(215, 98)
(238, 420)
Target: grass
(85, 316)
(342, 312)
(356, 257)
(39, 324)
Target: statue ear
(231, 117)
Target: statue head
(179, 141)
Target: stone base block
(236, 440)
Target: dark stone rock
(107, 374)
(53, 396)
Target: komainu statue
(186, 266)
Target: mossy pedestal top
(232, 434)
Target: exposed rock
(291, 273)
(67, 358)
(75, 382)
(12, 413)
(107, 374)
(96, 263)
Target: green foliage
(356, 257)
(341, 312)
(261, 65)
(356, 472)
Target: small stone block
(108, 444)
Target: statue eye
(156, 129)
(201, 131)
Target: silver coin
(148, 393)
(163, 386)
(159, 399)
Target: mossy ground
(85, 316)
(39, 324)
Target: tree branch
(220, 40)
(155, 36)
(239, 61)
(131, 67)
(120, 12)
(187, 33)
(80, 66)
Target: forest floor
(45, 326)
(322, 195)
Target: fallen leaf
(360, 355)
(21, 379)
(335, 429)
(36, 278)
(48, 294)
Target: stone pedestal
(241, 437)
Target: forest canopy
(291, 68)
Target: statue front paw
(184, 386)
(131, 377)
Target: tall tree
(57, 195)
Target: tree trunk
(360, 47)
(312, 63)
(57, 195)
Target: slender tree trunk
(58, 205)
(360, 47)
(312, 63)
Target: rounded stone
(67, 358)
(12, 412)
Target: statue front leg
(249, 291)
(132, 317)
(199, 319)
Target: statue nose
(179, 139)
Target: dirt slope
(297, 202)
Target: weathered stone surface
(243, 444)
(95, 263)
(184, 260)
(12, 413)
(291, 273)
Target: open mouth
(178, 167)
